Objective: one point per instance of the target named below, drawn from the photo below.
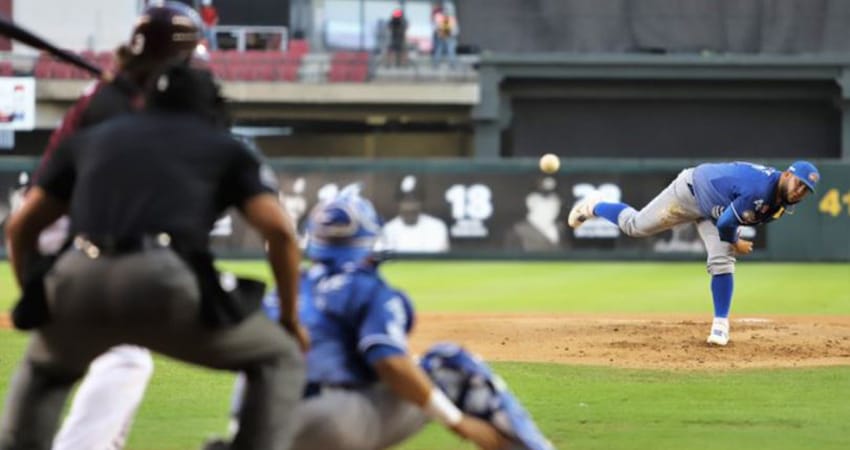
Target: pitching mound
(642, 341)
(675, 342)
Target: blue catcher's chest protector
(354, 319)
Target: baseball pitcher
(718, 198)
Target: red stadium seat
(338, 73)
(251, 55)
(265, 72)
(105, 60)
(349, 67)
(6, 69)
(226, 73)
(80, 74)
(358, 73)
(299, 47)
(226, 56)
(351, 57)
(61, 71)
(219, 70)
(42, 71)
(287, 71)
(217, 56)
(243, 72)
(273, 56)
(43, 68)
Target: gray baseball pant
(675, 205)
(356, 419)
(151, 299)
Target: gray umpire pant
(151, 299)
(675, 205)
(362, 419)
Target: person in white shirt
(413, 231)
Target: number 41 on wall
(831, 202)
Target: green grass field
(578, 407)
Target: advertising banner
(502, 210)
(485, 214)
(17, 103)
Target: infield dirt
(675, 342)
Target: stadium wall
(485, 207)
(657, 26)
(663, 106)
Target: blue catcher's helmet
(344, 229)
(476, 390)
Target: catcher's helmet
(165, 31)
(344, 229)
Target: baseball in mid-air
(550, 163)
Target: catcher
(364, 390)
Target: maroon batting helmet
(166, 31)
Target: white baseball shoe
(719, 332)
(583, 210)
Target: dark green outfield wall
(483, 206)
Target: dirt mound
(643, 341)
(675, 342)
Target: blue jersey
(748, 189)
(354, 319)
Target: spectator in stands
(436, 12)
(445, 38)
(397, 50)
(210, 17)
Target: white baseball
(550, 163)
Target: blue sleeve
(727, 226)
(383, 330)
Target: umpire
(143, 191)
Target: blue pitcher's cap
(806, 172)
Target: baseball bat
(13, 31)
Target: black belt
(110, 246)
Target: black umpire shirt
(108, 101)
(147, 173)
(101, 102)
